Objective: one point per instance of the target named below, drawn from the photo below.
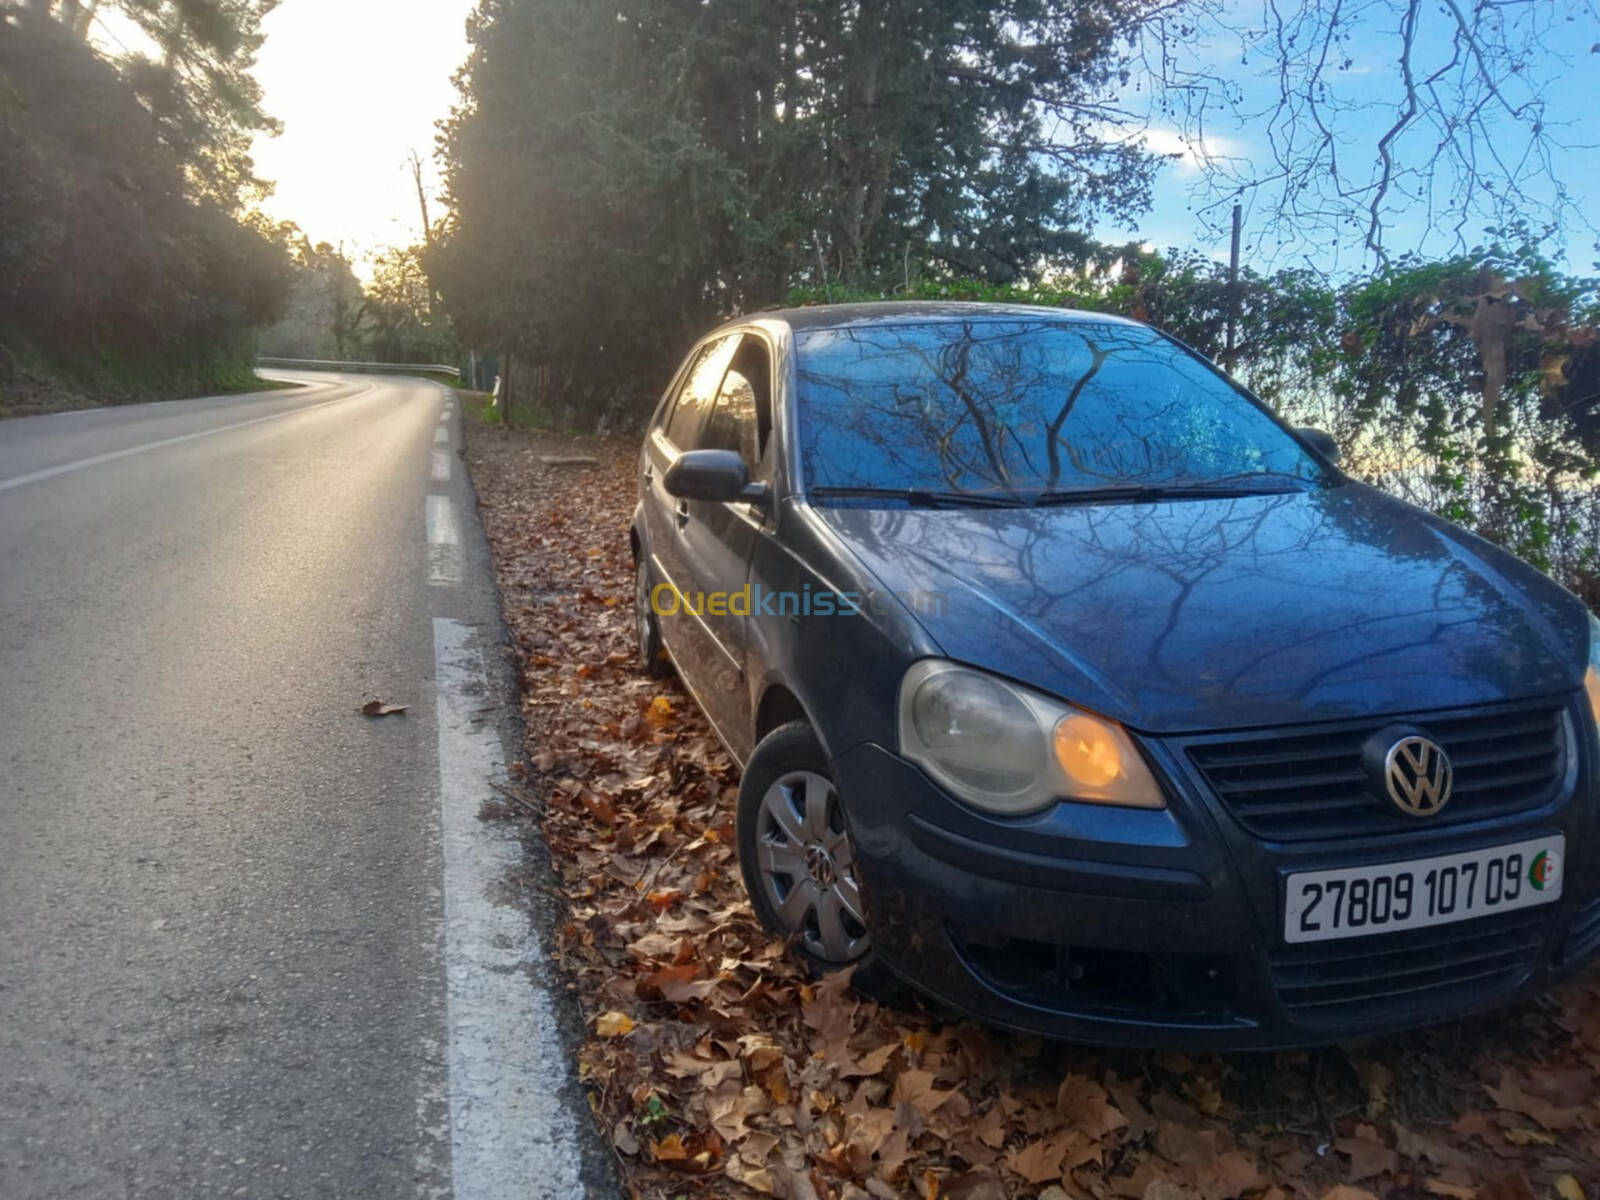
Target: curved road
(251, 942)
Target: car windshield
(1029, 408)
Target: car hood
(1188, 616)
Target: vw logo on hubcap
(1418, 776)
(819, 865)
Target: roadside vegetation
(129, 264)
(135, 262)
(330, 314)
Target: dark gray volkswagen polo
(1073, 688)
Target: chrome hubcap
(807, 867)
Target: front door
(677, 430)
(716, 541)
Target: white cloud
(1189, 155)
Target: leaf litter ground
(717, 1069)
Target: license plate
(1361, 901)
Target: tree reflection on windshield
(1026, 407)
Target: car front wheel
(798, 860)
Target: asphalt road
(251, 942)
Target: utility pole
(1231, 353)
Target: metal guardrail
(310, 364)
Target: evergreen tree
(198, 85)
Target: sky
(359, 86)
(1562, 69)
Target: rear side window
(699, 393)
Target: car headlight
(1591, 677)
(1007, 750)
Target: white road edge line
(441, 434)
(510, 1133)
(444, 541)
(441, 521)
(441, 466)
(17, 481)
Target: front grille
(1310, 783)
(1424, 971)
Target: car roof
(902, 312)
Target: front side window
(733, 420)
(742, 417)
(1025, 407)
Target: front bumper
(1119, 926)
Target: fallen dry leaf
(1368, 1155)
(1084, 1106)
(1530, 1137)
(1040, 1161)
(377, 708)
(1376, 1079)
(669, 1149)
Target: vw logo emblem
(1417, 776)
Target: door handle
(682, 513)
(649, 472)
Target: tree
(198, 86)
(406, 325)
(1368, 114)
(332, 315)
(326, 309)
(619, 176)
(111, 269)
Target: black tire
(815, 904)
(651, 649)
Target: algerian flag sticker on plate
(1545, 869)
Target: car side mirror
(1322, 442)
(717, 475)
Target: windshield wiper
(1149, 493)
(924, 498)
